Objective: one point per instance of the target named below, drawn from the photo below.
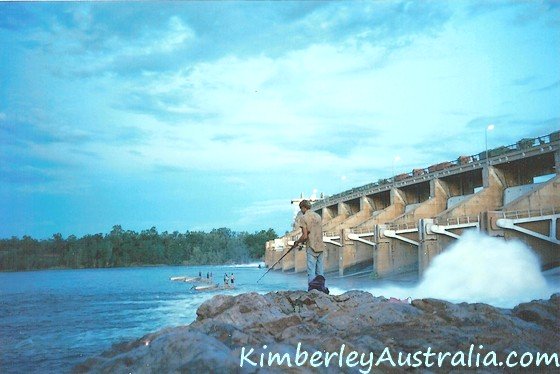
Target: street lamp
(489, 128)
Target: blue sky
(199, 115)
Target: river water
(52, 320)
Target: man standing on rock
(312, 235)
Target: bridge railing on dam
(400, 224)
(517, 214)
(457, 220)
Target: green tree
(126, 248)
(256, 242)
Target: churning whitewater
(481, 269)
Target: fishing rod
(280, 259)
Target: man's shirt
(312, 222)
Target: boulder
(283, 324)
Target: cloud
(236, 181)
(523, 81)
(94, 43)
(87, 45)
(227, 138)
(259, 97)
(15, 17)
(287, 95)
(481, 123)
(39, 127)
(30, 173)
(520, 13)
(220, 114)
(25, 175)
(550, 87)
(263, 213)
(540, 127)
(391, 23)
(480, 7)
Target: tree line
(122, 248)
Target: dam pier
(400, 224)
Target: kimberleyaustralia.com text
(366, 361)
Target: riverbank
(354, 331)
(134, 265)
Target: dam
(400, 224)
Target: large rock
(229, 326)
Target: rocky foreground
(296, 331)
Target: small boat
(190, 279)
(207, 288)
(213, 287)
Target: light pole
(488, 128)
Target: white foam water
(479, 268)
(249, 265)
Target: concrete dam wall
(398, 225)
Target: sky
(199, 115)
